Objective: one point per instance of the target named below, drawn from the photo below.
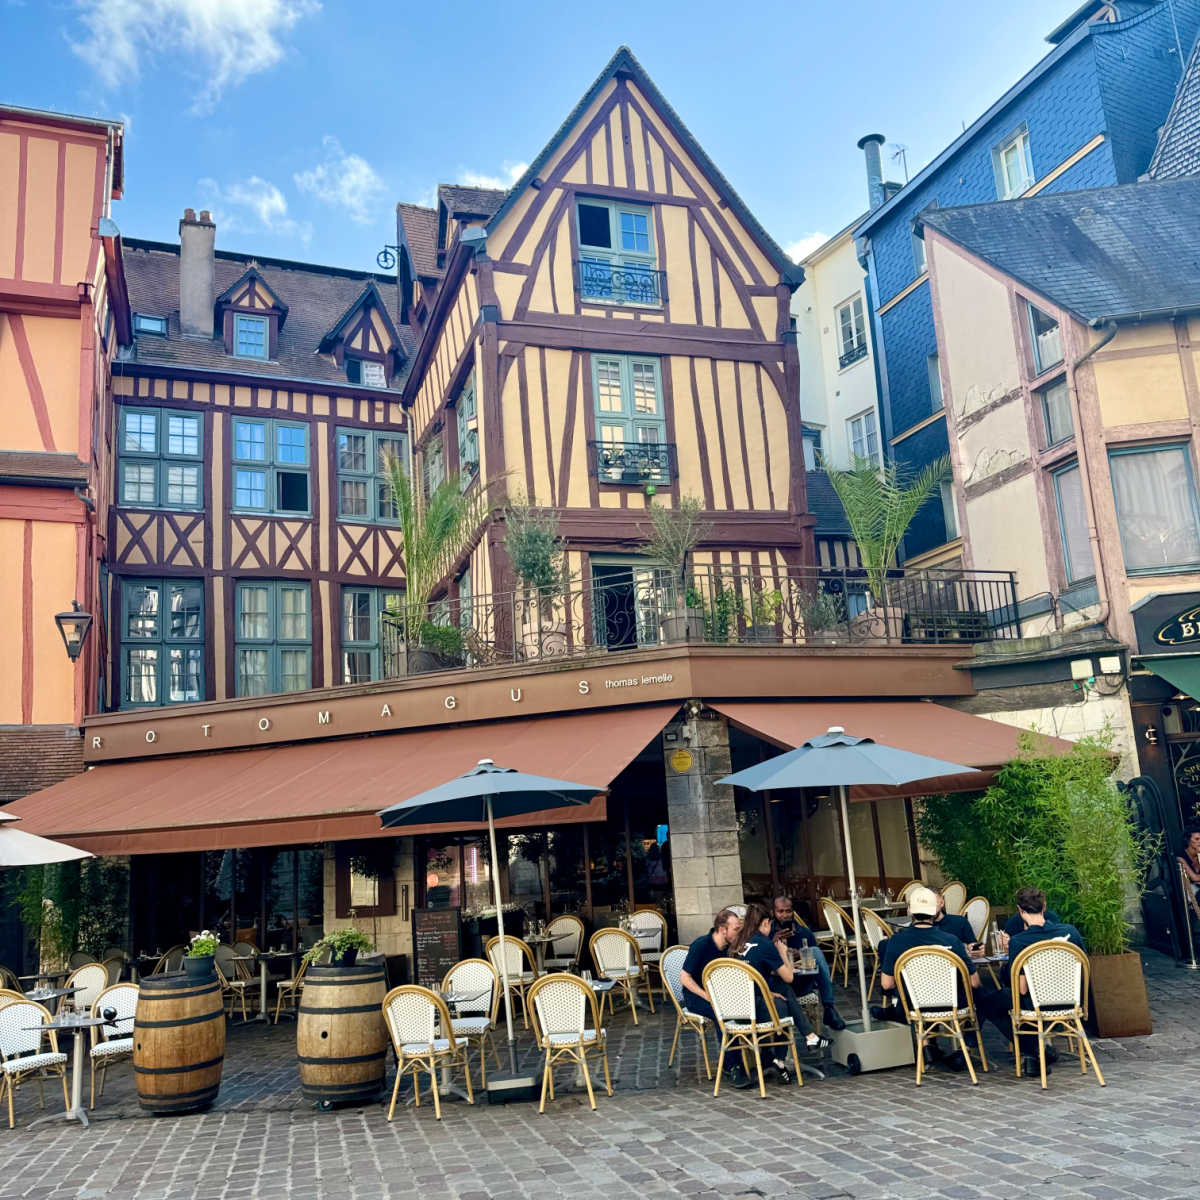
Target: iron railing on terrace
(620, 283)
(634, 607)
(636, 463)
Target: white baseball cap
(923, 902)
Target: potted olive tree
(880, 504)
(671, 536)
(820, 617)
(539, 560)
(765, 607)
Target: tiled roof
(40, 467)
(1178, 149)
(470, 201)
(1117, 252)
(420, 232)
(824, 504)
(316, 298)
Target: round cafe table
(78, 1026)
(44, 995)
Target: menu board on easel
(437, 943)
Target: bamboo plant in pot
(539, 560)
(671, 536)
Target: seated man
(1036, 926)
(1015, 924)
(795, 936)
(954, 923)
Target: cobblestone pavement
(661, 1134)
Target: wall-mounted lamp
(73, 626)
(1151, 735)
(692, 708)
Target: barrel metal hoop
(200, 1066)
(212, 1016)
(182, 994)
(349, 1008)
(166, 1101)
(337, 1062)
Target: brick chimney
(869, 145)
(197, 289)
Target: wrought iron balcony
(633, 463)
(853, 355)
(617, 283)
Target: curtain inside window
(1072, 516)
(1156, 508)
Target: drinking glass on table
(587, 976)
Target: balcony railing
(853, 355)
(633, 463)
(617, 283)
(642, 609)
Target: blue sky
(302, 123)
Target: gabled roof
(470, 201)
(1178, 149)
(623, 62)
(418, 229)
(368, 296)
(1122, 253)
(252, 273)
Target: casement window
(616, 253)
(1157, 513)
(933, 369)
(273, 638)
(162, 642)
(364, 487)
(1073, 524)
(1056, 413)
(145, 323)
(949, 510)
(433, 465)
(468, 435)
(159, 453)
(862, 432)
(852, 332)
(364, 632)
(270, 466)
(1046, 339)
(918, 253)
(366, 371)
(812, 449)
(251, 336)
(631, 425)
(1012, 164)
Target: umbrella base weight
(508, 1088)
(885, 1046)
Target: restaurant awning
(328, 790)
(1181, 671)
(917, 725)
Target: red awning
(329, 790)
(916, 725)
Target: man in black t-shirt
(1015, 924)
(923, 906)
(954, 923)
(796, 936)
(709, 946)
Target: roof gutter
(1148, 314)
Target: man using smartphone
(796, 936)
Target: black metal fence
(633, 463)
(627, 283)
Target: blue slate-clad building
(1086, 116)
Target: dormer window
(145, 323)
(366, 372)
(249, 336)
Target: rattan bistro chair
(233, 991)
(733, 986)
(22, 1053)
(566, 1025)
(1057, 973)
(172, 960)
(521, 968)
(875, 929)
(423, 1039)
(91, 979)
(114, 1042)
(955, 895)
(567, 932)
(476, 1018)
(845, 944)
(618, 957)
(671, 966)
(902, 894)
(290, 989)
(978, 911)
(649, 928)
(933, 982)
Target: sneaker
(739, 1078)
(783, 1075)
(833, 1019)
(818, 1047)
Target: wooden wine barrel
(178, 1043)
(341, 1040)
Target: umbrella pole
(512, 1051)
(843, 791)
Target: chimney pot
(189, 214)
(206, 216)
(870, 145)
(197, 286)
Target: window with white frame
(862, 432)
(949, 510)
(366, 371)
(364, 479)
(933, 370)
(918, 252)
(270, 466)
(1056, 413)
(363, 636)
(1157, 512)
(250, 336)
(616, 252)
(812, 448)
(631, 425)
(1012, 163)
(159, 459)
(468, 435)
(162, 641)
(433, 465)
(146, 323)
(273, 638)
(1073, 524)
(852, 332)
(1046, 339)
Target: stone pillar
(706, 867)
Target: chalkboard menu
(437, 943)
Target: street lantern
(73, 626)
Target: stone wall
(391, 935)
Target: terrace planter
(1120, 1007)
(686, 626)
(198, 967)
(421, 661)
(764, 634)
(824, 637)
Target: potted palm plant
(435, 530)
(880, 504)
(671, 536)
(765, 607)
(539, 560)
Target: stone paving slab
(661, 1134)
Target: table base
(74, 1114)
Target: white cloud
(254, 205)
(510, 172)
(346, 181)
(230, 39)
(801, 249)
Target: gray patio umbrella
(836, 759)
(483, 794)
